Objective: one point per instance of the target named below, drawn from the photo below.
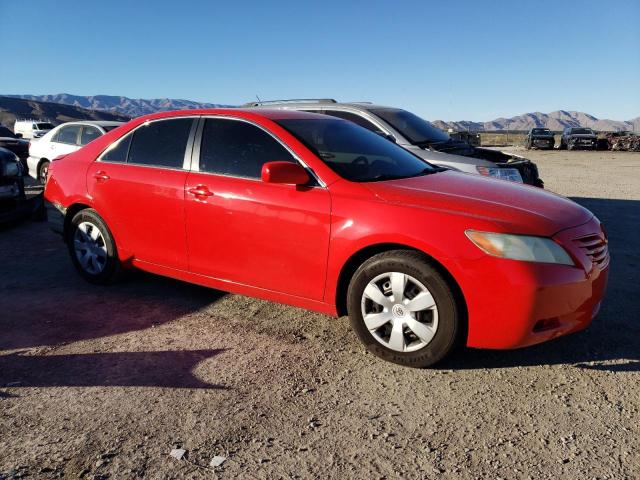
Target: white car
(63, 139)
(31, 128)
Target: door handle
(200, 191)
(100, 175)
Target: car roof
(98, 123)
(321, 103)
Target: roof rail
(290, 100)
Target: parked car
(539, 138)
(420, 137)
(13, 202)
(63, 139)
(323, 214)
(578, 137)
(31, 128)
(15, 143)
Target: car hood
(13, 141)
(516, 208)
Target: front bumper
(515, 304)
(543, 142)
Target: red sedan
(320, 213)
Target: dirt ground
(103, 382)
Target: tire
(43, 169)
(439, 326)
(100, 264)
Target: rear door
(138, 187)
(243, 230)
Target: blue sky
(443, 60)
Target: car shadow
(45, 304)
(612, 342)
(171, 369)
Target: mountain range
(556, 121)
(123, 108)
(131, 107)
(17, 108)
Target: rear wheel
(92, 248)
(43, 171)
(403, 310)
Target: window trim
(195, 157)
(186, 161)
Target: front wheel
(403, 309)
(92, 248)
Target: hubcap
(90, 248)
(399, 311)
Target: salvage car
(539, 138)
(420, 137)
(15, 143)
(578, 137)
(13, 201)
(320, 213)
(63, 139)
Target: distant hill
(12, 108)
(132, 107)
(555, 121)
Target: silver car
(420, 137)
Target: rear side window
(352, 117)
(119, 152)
(162, 143)
(239, 149)
(89, 134)
(69, 134)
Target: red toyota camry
(320, 213)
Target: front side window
(69, 134)
(89, 134)
(355, 153)
(238, 149)
(161, 143)
(352, 117)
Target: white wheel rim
(399, 312)
(90, 248)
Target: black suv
(578, 137)
(539, 138)
(15, 143)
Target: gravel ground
(104, 382)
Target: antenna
(259, 101)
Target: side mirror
(284, 172)
(18, 135)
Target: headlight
(502, 173)
(520, 247)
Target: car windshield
(541, 131)
(5, 132)
(412, 127)
(354, 152)
(581, 131)
(44, 126)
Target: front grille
(595, 246)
